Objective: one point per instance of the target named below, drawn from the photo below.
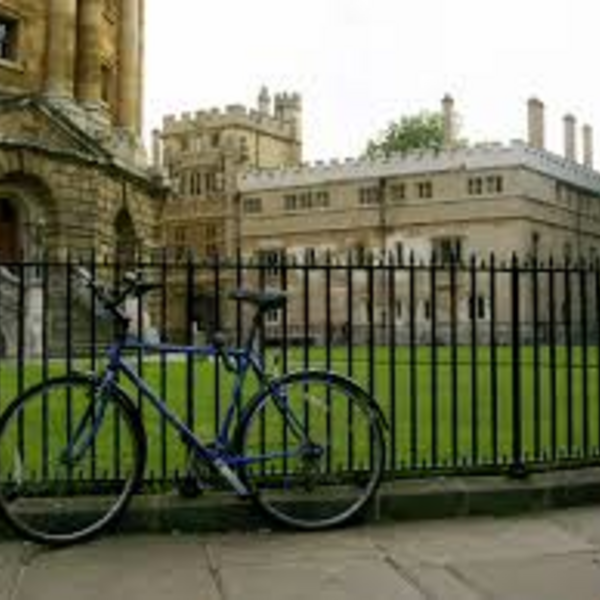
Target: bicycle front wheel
(313, 450)
(70, 458)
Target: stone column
(60, 49)
(88, 88)
(535, 123)
(570, 124)
(129, 73)
(141, 64)
(448, 121)
(588, 146)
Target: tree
(424, 131)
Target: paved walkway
(547, 556)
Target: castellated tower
(203, 154)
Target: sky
(359, 64)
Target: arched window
(10, 244)
(126, 240)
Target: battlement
(488, 155)
(282, 121)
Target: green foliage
(424, 131)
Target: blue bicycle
(308, 448)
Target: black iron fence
(485, 366)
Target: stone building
(73, 173)
(203, 154)
(461, 202)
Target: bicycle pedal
(189, 487)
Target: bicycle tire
(295, 487)
(56, 501)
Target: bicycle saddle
(263, 300)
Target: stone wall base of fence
(405, 500)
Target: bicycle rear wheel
(69, 460)
(313, 449)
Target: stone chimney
(535, 123)
(588, 146)
(449, 123)
(264, 101)
(570, 124)
(156, 148)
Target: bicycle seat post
(263, 301)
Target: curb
(443, 497)
(400, 500)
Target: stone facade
(457, 204)
(74, 178)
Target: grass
(457, 410)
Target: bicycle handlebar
(112, 301)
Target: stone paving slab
(561, 577)
(462, 540)
(441, 582)
(122, 569)
(333, 579)
(12, 560)
(261, 548)
(582, 522)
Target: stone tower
(204, 153)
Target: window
(398, 192)
(210, 232)
(272, 317)
(494, 184)
(252, 205)
(535, 244)
(398, 310)
(480, 306)
(210, 182)
(310, 256)
(8, 38)
(368, 196)
(425, 189)
(270, 260)
(179, 235)
(215, 140)
(567, 251)
(427, 310)
(475, 186)
(448, 250)
(289, 201)
(106, 83)
(305, 200)
(360, 255)
(399, 253)
(196, 184)
(322, 199)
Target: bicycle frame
(218, 453)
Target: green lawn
(472, 425)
